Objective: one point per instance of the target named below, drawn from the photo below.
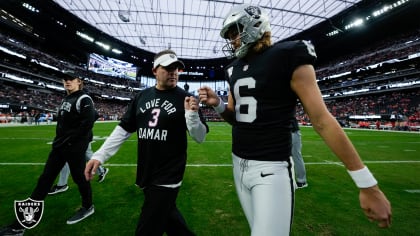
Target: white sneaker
(301, 185)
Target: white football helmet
(251, 22)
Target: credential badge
(29, 212)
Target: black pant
(75, 157)
(57, 158)
(159, 213)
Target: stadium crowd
(381, 80)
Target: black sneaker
(302, 185)
(80, 215)
(58, 189)
(102, 175)
(9, 231)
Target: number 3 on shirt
(153, 122)
(249, 102)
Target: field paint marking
(102, 138)
(208, 165)
(412, 190)
(21, 164)
(334, 163)
(41, 164)
(391, 162)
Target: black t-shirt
(158, 117)
(264, 101)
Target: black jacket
(75, 119)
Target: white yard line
(210, 165)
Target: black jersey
(75, 120)
(264, 101)
(158, 117)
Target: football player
(265, 82)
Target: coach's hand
(376, 206)
(91, 167)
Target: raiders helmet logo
(253, 11)
(29, 212)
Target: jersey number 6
(249, 102)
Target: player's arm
(111, 145)
(305, 86)
(210, 98)
(372, 200)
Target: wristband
(221, 107)
(363, 178)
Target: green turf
(329, 206)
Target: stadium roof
(134, 31)
(192, 27)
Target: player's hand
(90, 169)
(376, 206)
(208, 96)
(191, 103)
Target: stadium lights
(17, 78)
(356, 23)
(332, 33)
(103, 45)
(121, 98)
(389, 7)
(61, 23)
(356, 91)
(376, 13)
(12, 52)
(117, 86)
(96, 81)
(114, 50)
(335, 76)
(30, 7)
(404, 84)
(85, 36)
(44, 64)
(60, 88)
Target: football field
(208, 201)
